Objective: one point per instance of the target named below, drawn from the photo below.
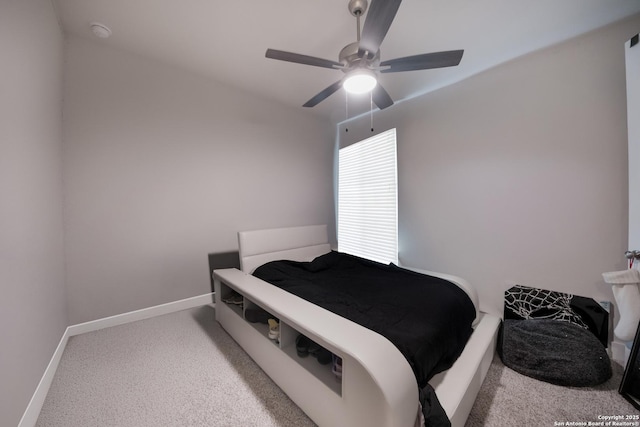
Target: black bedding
(427, 318)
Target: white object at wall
(627, 294)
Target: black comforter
(427, 318)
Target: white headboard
(293, 243)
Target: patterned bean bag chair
(554, 351)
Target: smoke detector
(100, 30)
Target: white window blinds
(367, 198)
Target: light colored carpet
(183, 369)
(508, 398)
(180, 369)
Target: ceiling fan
(360, 60)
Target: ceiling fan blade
(381, 97)
(423, 62)
(379, 19)
(302, 59)
(324, 94)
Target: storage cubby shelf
(287, 341)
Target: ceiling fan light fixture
(360, 81)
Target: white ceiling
(227, 40)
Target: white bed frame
(378, 387)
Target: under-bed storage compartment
(323, 373)
(239, 304)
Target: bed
(378, 386)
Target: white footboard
(378, 387)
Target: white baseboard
(145, 313)
(30, 416)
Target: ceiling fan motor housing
(349, 57)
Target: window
(367, 198)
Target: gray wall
(163, 167)
(32, 306)
(518, 174)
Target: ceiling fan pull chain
(371, 108)
(346, 108)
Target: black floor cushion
(554, 351)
